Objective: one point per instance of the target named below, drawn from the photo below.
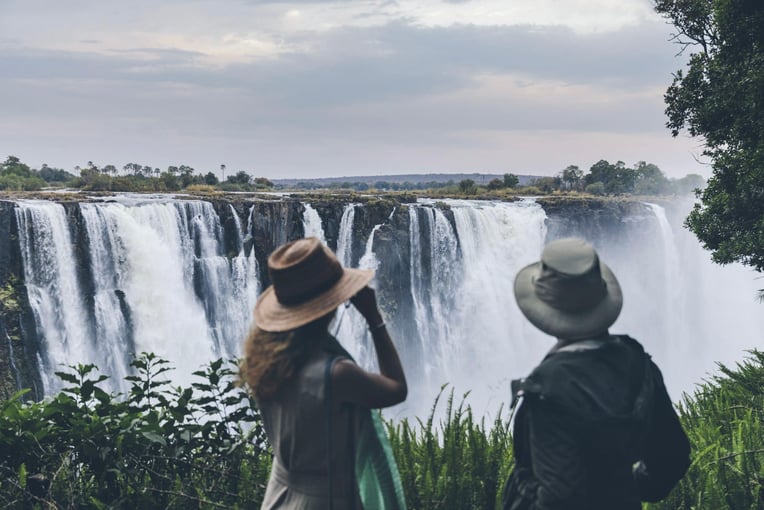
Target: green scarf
(379, 483)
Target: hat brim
(270, 315)
(562, 324)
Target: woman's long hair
(272, 358)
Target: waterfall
(111, 317)
(159, 275)
(311, 223)
(245, 270)
(673, 305)
(349, 325)
(345, 238)
(47, 253)
(161, 284)
(476, 338)
(688, 312)
(434, 282)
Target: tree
(690, 183)
(133, 168)
(595, 188)
(547, 184)
(616, 178)
(262, 182)
(211, 179)
(720, 97)
(110, 170)
(495, 184)
(49, 174)
(241, 177)
(186, 175)
(14, 166)
(15, 175)
(468, 187)
(571, 177)
(511, 180)
(650, 180)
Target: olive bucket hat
(569, 293)
(308, 282)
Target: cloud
(420, 91)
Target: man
(596, 429)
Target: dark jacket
(596, 431)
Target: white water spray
(311, 223)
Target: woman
(314, 400)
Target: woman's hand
(354, 384)
(366, 303)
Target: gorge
(94, 280)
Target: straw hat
(569, 293)
(308, 282)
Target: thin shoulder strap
(328, 409)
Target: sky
(313, 88)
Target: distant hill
(370, 180)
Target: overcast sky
(329, 88)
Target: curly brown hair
(271, 358)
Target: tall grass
(454, 462)
(84, 448)
(724, 420)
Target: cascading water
(54, 292)
(470, 328)
(688, 312)
(434, 264)
(161, 284)
(345, 237)
(311, 223)
(349, 326)
(161, 281)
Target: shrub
(155, 447)
(596, 188)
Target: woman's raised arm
(354, 384)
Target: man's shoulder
(588, 368)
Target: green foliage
(203, 446)
(16, 176)
(9, 301)
(55, 175)
(458, 463)
(511, 180)
(723, 420)
(572, 177)
(720, 97)
(547, 184)
(595, 188)
(494, 184)
(650, 180)
(211, 179)
(689, 184)
(156, 447)
(468, 187)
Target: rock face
(261, 225)
(18, 348)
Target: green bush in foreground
(156, 447)
(203, 446)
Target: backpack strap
(328, 409)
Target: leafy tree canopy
(720, 97)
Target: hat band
(570, 293)
(290, 287)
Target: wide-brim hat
(569, 293)
(308, 283)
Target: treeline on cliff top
(203, 446)
(603, 178)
